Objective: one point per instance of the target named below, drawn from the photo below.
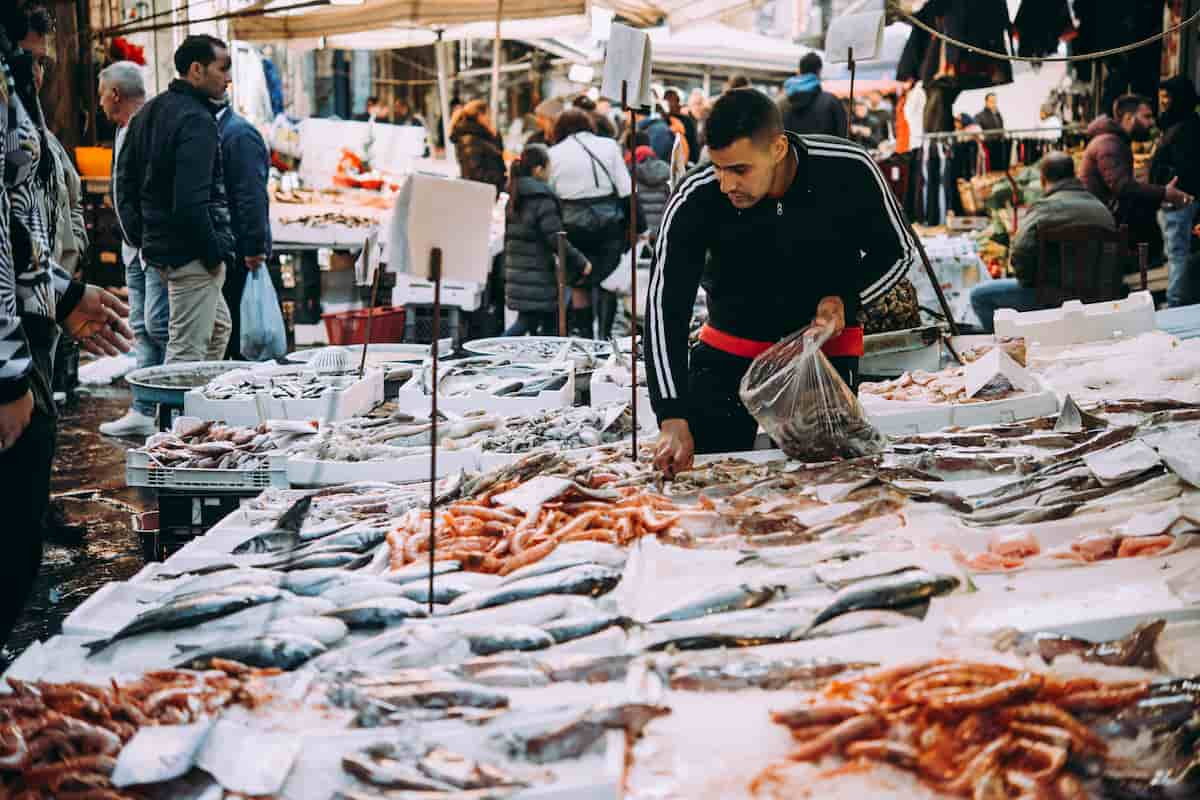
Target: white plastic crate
(467, 295)
(605, 392)
(901, 417)
(410, 469)
(410, 398)
(1076, 323)
(140, 470)
(356, 398)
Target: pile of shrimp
(487, 537)
(63, 739)
(966, 729)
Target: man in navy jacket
(246, 161)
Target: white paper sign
(454, 215)
(627, 58)
(862, 32)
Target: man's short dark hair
(737, 81)
(741, 114)
(584, 102)
(811, 64)
(988, 96)
(1129, 104)
(19, 20)
(572, 121)
(40, 20)
(669, 93)
(200, 48)
(1057, 166)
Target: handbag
(593, 220)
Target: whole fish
(728, 675)
(465, 773)
(893, 591)
(282, 651)
(420, 571)
(729, 598)
(589, 580)
(270, 542)
(313, 582)
(1024, 515)
(507, 638)
(359, 540)
(448, 588)
(589, 669)
(536, 611)
(351, 592)
(569, 628)
(543, 567)
(287, 529)
(223, 580)
(325, 630)
(379, 766)
(578, 736)
(1134, 650)
(437, 695)
(342, 560)
(191, 611)
(380, 612)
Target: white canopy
(714, 44)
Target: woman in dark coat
(478, 147)
(531, 245)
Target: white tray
(605, 392)
(411, 469)
(412, 399)
(901, 417)
(141, 471)
(1075, 323)
(357, 398)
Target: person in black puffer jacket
(171, 190)
(478, 147)
(531, 246)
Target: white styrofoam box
(903, 417)
(467, 295)
(307, 335)
(605, 392)
(141, 471)
(410, 398)
(411, 469)
(357, 398)
(1075, 323)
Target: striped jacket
(30, 282)
(838, 231)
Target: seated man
(1066, 203)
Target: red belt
(848, 343)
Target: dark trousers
(536, 323)
(718, 421)
(25, 496)
(235, 281)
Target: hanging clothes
(1104, 25)
(982, 23)
(1040, 25)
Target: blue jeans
(149, 313)
(1176, 226)
(1003, 293)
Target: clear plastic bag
(804, 405)
(263, 335)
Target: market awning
(717, 45)
(377, 15)
(397, 37)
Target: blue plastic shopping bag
(263, 335)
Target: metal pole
(560, 272)
(362, 365)
(435, 275)
(850, 116)
(633, 242)
(495, 105)
(439, 49)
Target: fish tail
(96, 646)
(293, 518)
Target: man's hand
(830, 316)
(254, 262)
(14, 419)
(1176, 197)
(98, 323)
(587, 269)
(675, 449)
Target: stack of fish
(562, 429)
(279, 385)
(493, 376)
(210, 445)
(398, 435)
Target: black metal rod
(362, 364)
(560, 272)
(850, 116)
(435, 275)
(633, 243)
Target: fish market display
(211, 445)
(438, 772)
(585, 353)
(494, 376)
(947, 386)
(966, 729)
(562, 429)
(277, 385)
(63, 739)
(319, 219)
(490, 535)
(396, 436)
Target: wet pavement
(88, 485)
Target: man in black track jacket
(784, 232)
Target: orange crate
(350, 327)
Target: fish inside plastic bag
(803, 404)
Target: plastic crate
(350, 327)
(418, 324)
(140, 470)
(185, 515)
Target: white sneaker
(134, 423)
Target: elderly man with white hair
(122, 94)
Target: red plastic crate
(350, 327)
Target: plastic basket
(350, 327)
(141, 471)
